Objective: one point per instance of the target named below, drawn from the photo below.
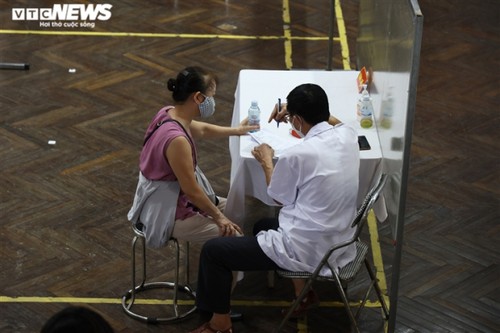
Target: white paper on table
(278, 143)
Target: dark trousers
(220, 257)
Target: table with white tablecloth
(265, 87)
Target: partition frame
(412, 99)
(378, 50)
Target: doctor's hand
(264, 153)
(279, 115)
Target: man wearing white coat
(316, 182)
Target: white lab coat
(317, 183)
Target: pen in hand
(279, 109)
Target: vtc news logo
(67, 12)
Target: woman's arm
(203, 130)
(178, 154)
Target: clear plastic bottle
(254, 114)
(387, 110)
(362, 96)
(365, 109)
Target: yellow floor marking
(302, 325)
(156, 35)
(344, 45)
(288, 34)
(152, 301)
(377, 255)
(35, 299)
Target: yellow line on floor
(377, 254)
(154, 35)
(323, 304)
(302, 325)
(97, 300)
(288, 34)
(344, 45)
(36, 299)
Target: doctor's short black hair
(310, 102)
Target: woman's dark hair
(76, 319)
(310, 102)
(190, 80)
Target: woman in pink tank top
(169, 154)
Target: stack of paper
(278, 143)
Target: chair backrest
(367, 204)
(357, 223)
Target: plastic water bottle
(387, 110)
(359, 105)
(254, 114)
(365, 109)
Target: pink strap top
(153, 162)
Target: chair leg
(134, 286)
(129, 298)
(378, 291)
(346, 303)
(187, 265)
(365, 298)
(295, 304)
(270, 279)
(176, 277)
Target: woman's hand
(228, 228)
(244, 128)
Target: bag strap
(180, 125)
(200, 176)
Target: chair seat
(346, 273)
(349, 271)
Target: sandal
(207, 328)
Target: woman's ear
(198, 97)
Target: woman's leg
(198, 228)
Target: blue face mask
(207, 107)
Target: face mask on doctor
(298, 131)
(207, 107)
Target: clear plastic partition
(388, 46)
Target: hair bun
(172, 84)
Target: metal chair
(130, 296)
(348, 272)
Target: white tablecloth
(266, 86)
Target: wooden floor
(64, 236)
